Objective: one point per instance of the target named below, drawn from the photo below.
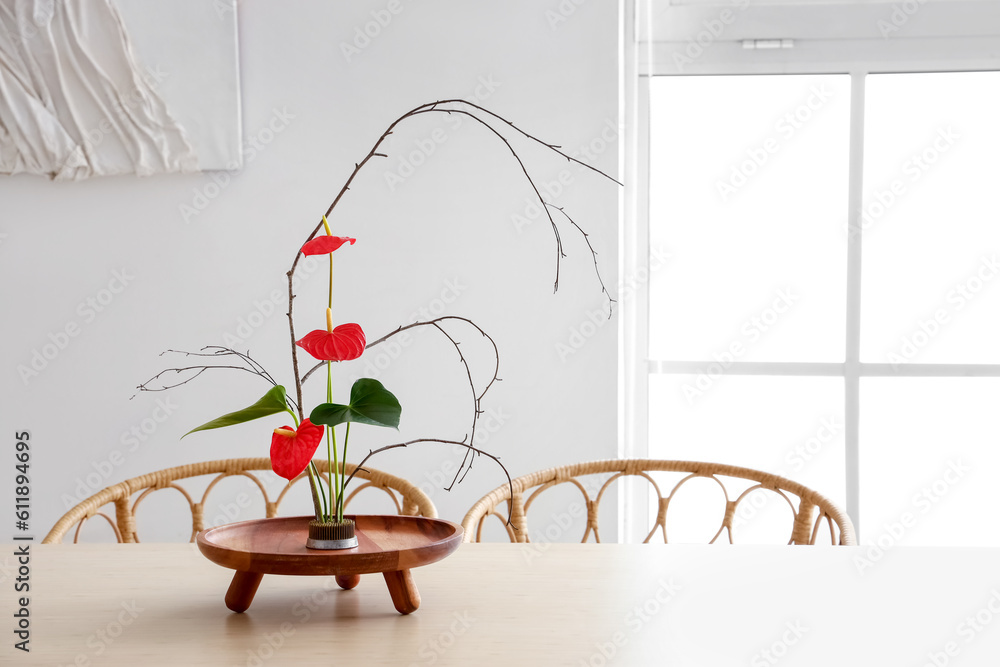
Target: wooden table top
(501, 604)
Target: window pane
(931, 218)
(929, 460)
(790, 426)
(748, 194)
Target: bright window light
(931, 275)
(929, 461)
(748, 195)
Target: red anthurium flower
(344, 343)
(291, 450)
(322, 245)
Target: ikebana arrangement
(370, 403)
(293, 448)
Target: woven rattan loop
(804, 529)
(410, 498)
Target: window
(822, 237)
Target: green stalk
(317, 491)
(336, 499)
(334, 473)
(340, 510)
(331, 449)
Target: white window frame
(854, 38)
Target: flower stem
(340, 510)
(336, 499)
(329, 302)
(331, 451)
(315, 490)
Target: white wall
(191, 282)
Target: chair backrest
(808, 514)
(407, 498)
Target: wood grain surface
(518, 604)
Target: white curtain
(74, 103)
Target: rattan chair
(808, 514)
(407, 498)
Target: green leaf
(270, 403)
(371, 403)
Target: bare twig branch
(476, 410)
(440, 107)
(400, 329)
(466, 465)
(555, 230)
(253, 367)
(219, 351)
(461, 443)
(593, 253)
(552, 147)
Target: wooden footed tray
(390, 544)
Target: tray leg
(348, 581)
(405, 596)
(241, 590)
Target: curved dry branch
(477, 398)
(554, 148)
(476, 409)
(425, 323)
(555, 229)
(461, 443)
(439, 107)
(593, 253)
(253, 367)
